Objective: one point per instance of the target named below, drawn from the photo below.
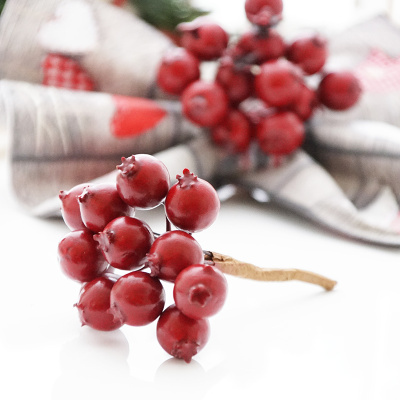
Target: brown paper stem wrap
(231, 266)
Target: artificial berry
(94, 304)
(137, 298)
(70, 207)
(99, 204)
(124, 242)
(280, 134)
(339, 90)
(309, 53)
(205, 103)
(205, 39)
(200, 291)
(79, 257)
(264, 12)
(237, 83)
(192, 204)
(178, 68)
(234, 133)
(181, 336)
(257, 46)
(171, 253)
(305, 104)
(142, 181)
(279, 83)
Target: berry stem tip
(231, 266)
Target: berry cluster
(262, 90)
(105, 237)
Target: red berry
(180, 336)
(79, 257)
(171, 253)
(279, 83)
(256, 47)
(124, 242)
(238, 84)
(99, 204)
(178, 68)
(280, 133)
(138, 298)
(264, 12)
(205, 39)
(339, 90)
(305, 104)
(234, 133)
(205, 103)
(94, 304)
(70, 207)
(192, 204)
(142, 181)
(200, 291)
(309, 53)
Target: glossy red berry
(94, 304)
(200, 291)
(124, 242)
(142, 181)
(280, 134)
(234, 133)
(99, 204)
(238, 84)
(70, 207)
(180, 336)
(137, 298)
(205, 39)
(339, 90)
(171, 253)
(192, 204)
(309, 53)
(256, 47)
(279, 83)
(264, 12)
(79, 257)
(205, 103)
(178, 68)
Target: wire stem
(230, 266)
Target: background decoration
(369, 214)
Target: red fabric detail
(134, 116)
(379, 72)
(64, 72)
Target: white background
(271, 340)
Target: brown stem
(167, 224)
(230, 266)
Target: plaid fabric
(379, 72)
(64, 72)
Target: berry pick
(122, 263)
(288, 79)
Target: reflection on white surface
(94, 365)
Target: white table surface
(271, 340)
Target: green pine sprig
(2, 2)
(166, 14)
